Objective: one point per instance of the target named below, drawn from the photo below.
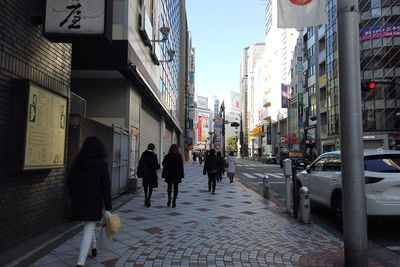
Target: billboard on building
(200, 129)
(203, 126)
(379, 31)
(202, 102)
(235, 101)
(284, 92)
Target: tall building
(203, 124)
(190, 95)
(380, 91)
(380, 73)
(277, 58)
(250, 56)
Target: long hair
(92, 148)
(174, 148)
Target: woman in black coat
(147, 169)
(173, 172)
(90, 189)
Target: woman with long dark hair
(89, 185)
(173, 172)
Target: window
(332, 165)
(319, 164)
(382, 163)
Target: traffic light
(235, 124)
(372, 85)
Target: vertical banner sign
(190, 126)
(200, 129)
(269, 134)
(300, 109)
(301, 13)
(284, 92)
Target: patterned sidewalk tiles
(234, 227)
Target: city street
(234, 227)
(384, 236)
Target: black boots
(174, 203)
(147, 202)
(169, 202)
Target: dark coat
(90, 189)
(147, 169)
(211, 165)
(221, 164)
(173, 167)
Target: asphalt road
(383, 236)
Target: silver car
(382, 182)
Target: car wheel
(338, 211)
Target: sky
(221, 29)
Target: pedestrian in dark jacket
(173, 172)
(147, 170)
(211, 167)
(89, 185)
(221, 163)
(194, 157)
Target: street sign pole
(353, 181)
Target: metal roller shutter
(167, 140)
(149, 131)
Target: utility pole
(353, 181)
(223, 128)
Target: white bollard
(266, 193)
(304, 205)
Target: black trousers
(212, 181)
(169, 189)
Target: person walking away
(194, 157)
(147, 170)
(89, 185)
(221, 163)
(173, 172)
(211, 167)
(200, 157)
(231, 161)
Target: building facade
(128, 92)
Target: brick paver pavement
(234, 227)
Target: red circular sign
(301, 2)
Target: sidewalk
(234, 227)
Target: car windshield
(382, 163)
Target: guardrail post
(304, 211)
(287, 170)
(266, 193)
(295, 192)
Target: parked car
(382, 182)
(299, 162)
(269, 159)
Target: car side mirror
(308, 169)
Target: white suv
(382, 182)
